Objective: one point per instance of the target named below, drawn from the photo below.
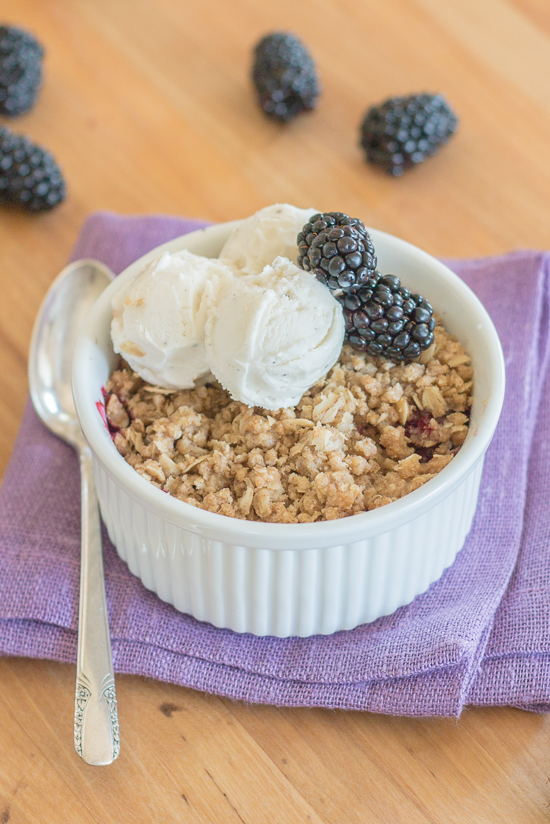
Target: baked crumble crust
(366, 434)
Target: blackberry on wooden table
(403, 131)
(284, 76)
(20, 70)
(29, 175)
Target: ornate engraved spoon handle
(96, 733)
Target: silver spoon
(71, 295)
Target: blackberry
(404, 131)
(338, 250)
(20, 70)
(29, 175)
(284, 76)
(383, 318)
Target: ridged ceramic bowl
(295, 579)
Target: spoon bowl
(57, 325)
(61, 315)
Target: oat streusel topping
(365, 435)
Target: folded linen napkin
(479, 635)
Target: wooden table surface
(148, 107)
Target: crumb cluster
(366, 434)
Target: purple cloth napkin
(479, 635)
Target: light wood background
(148, 108)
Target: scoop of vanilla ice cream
(269, 337)
(259, 239)
(158, 320)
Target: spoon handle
(96, 733)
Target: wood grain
(147, 105)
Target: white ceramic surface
(295, 579)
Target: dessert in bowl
(317, 573)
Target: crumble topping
(366, 434)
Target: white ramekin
(295, 579)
